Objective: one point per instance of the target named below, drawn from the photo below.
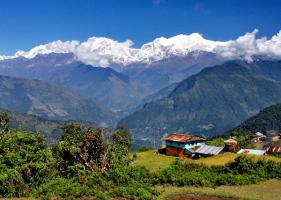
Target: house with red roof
(182, 145)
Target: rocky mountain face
(51, 102)
(209, 103)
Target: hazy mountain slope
(113, 89)
(159, 74)
(156, 96)
(215, 100)
(49, 101)
(51, 129)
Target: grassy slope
(269, 190)
(154, 161)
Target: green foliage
(244, 170)
(135, 191)
(268, 119)
(67, 188)
(72, 134)
(219, 141)
(84, 165)
(25, 162)
(4, 122)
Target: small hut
(230, 145)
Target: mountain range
(119, 91)
(208, 103)
(185, 83)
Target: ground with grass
(155, 161)
(269, 190)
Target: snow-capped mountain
(105, 52)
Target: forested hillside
(268, 119)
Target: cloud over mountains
(103, 52)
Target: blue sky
(24, 24)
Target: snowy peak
(104, 52)
(52, 47)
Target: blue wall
(183, 145)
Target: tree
(119, 148)
(81, 146)
(72, 134)
(4, 122)
(122, 136)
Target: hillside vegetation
(268, 119)
(84, 164)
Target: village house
(230, 145)
(272, 149)
(272, 136)
(259, 137)
(182, 145)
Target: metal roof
(209, 150)
(251, 151)
(273, 149)
(176, 137)
(259, 134)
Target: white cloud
(100, 51)
(103, 52)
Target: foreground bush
(67, 188)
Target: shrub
(67, 188)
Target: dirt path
(197, 197)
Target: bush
(135, 191)
(12, 184)
(67, 188)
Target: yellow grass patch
(155, 161)
(269, 190)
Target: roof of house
(259, 134)
(176, 137)
(273, 149)
(230, 141)
(209, 150)
(251, 151)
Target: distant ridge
(50, 101)
(51, 129)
